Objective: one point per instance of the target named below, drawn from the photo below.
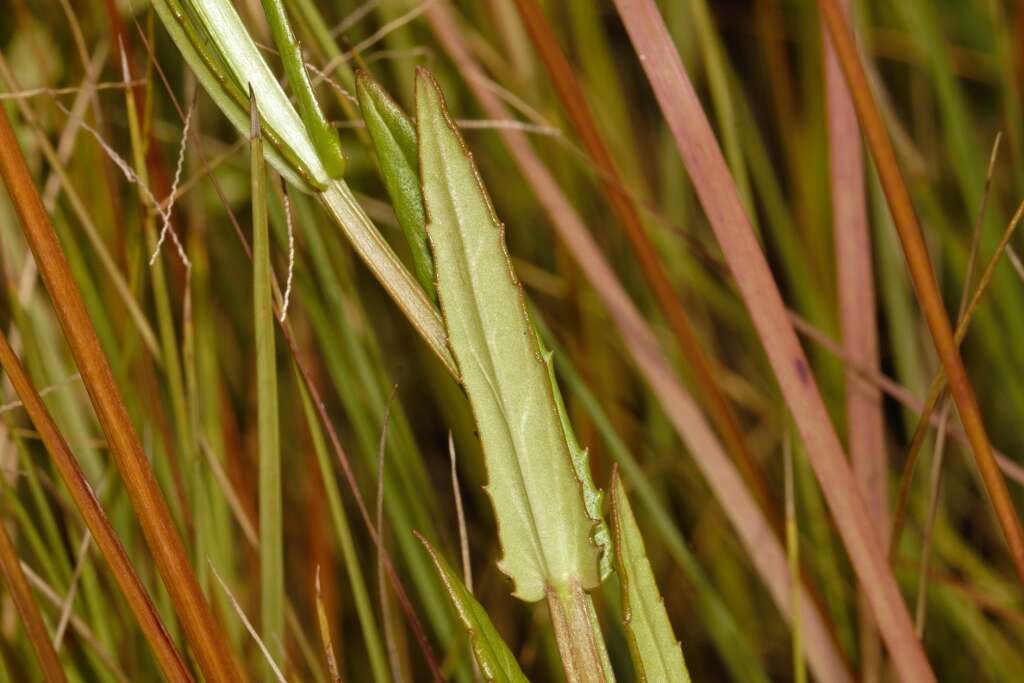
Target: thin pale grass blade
(575, 104)
(460, 515)
(858, 321)
(919, 265)
(31, 617)
(325, 633)
(393, 136)
(728, 218)
(496, 661)
(753, 529)
(80, 628)
(657, 654)
(398, 654)
(543, 526)
(203, 632)
(268, 428)
(275, 670)
(934, 486)
(793, 553)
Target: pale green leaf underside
(593, 497)
(543, 526)
(657, 655)
(496, 661)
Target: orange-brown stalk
(204, 634)
(920, 267)
(25, 602)
(171, 663)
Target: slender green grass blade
(271, 536)
(496, 661)
(374, 651)
(657, 655)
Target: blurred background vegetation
(949, 76)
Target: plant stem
(31, 617)
(203, 632)
(580, 641)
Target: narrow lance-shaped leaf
(543, 526)
(321, 133)
(656, 653)
(394, 140)
(496, 661)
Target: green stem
(578, 633)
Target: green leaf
(496, 661)
(215, 43)
(321, 132)
(593, 497)
(656, 653)
(220, 51)
(394, 140)
(543, 525)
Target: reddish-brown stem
(25, 602)
(865, 426)
(170, 661)
(204, 634)
(916, 253)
